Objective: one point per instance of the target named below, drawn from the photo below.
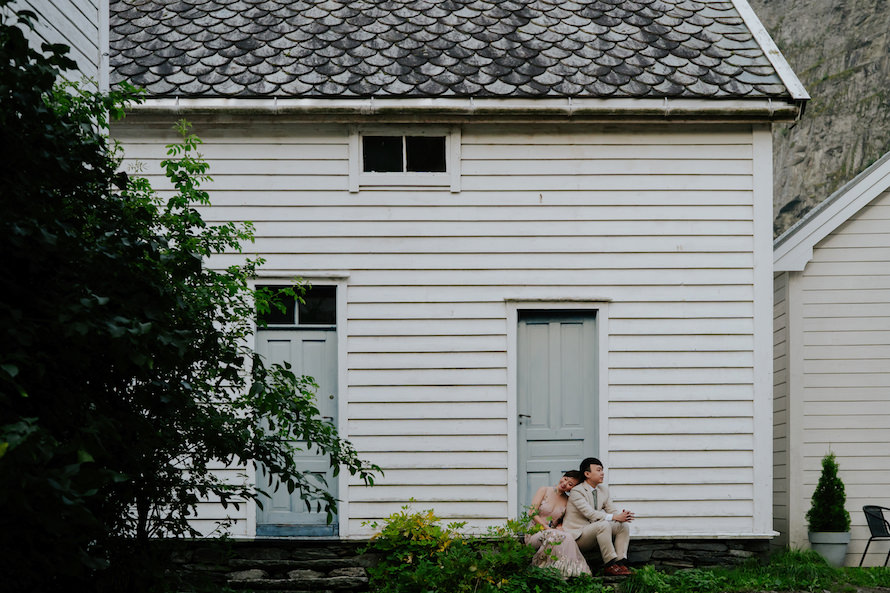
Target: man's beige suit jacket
(584, 508)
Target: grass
(787, 571)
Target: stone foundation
(337, 566)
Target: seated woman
(556, 547)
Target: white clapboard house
(832, 356)
(82, 25)
(537, 230)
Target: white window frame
(360, 179)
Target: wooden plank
(680, 409)
(407, 197)
(876, 254)
(610, 228)
(620, 134)
(431, 393)
(620, 479)
(857, 419)
(430, 494)
(689, 508)
(496, 376)
(456, 427)
(425, 410)
(420, 344)
(618, 152)
(663, 165)
(370, 213)
(678, 426)
(843, 380)
(727, 326)
(688, 459)
(221, 153)
(429, 442)
(843, 366)
(589, 244)
(675, 359)
(846, 338)
(680, 392)
(489, 310)
(821, 393)
(483, 477)
(680, 442)
(491, 462)
(552, 277)
(681, 343)
(847, 268)
(441, 294)
(684, 492)
(512, 261)
(834, 436)
(835, 310)
(609, 182)
(855, 241)
(427, 327)
(427, 360)
(446, 510)
(840, 295)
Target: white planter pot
(831, 545)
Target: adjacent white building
(543, 232)
(832, 356)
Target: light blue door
(557, 396)
(311, 352)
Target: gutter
(447, 109)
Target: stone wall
(338, 566)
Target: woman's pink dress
(556, 547)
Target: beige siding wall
(657, 220)
(780, 408)
(845, 391)
(74, 23)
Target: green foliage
(827, 512)
(792, 570)
(124, 357)
(418, 555)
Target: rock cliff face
(840, 50)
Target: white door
(310, 352)
(557, 396)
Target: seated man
(593, 520)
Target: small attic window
(393, 157)
(403, 154)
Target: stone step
(321, 564)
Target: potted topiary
(829, 521)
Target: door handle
(521, 416)
(331, 418)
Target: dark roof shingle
(434, 48)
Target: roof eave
(771, 50)
(469, 109)
(793, 249)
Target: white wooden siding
(657, 219)
(74, 23)
(780, 408)
(843, 302)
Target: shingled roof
(439, 48)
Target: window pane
(425, 153)
(320, 307)
(277, 316)
(382, 154)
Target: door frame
(514, 306)
(340, 279)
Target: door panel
(557, 397)
(314, 353)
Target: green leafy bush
(418, 555)
(827, 512)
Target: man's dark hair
(585, 465)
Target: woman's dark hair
(575, 475)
